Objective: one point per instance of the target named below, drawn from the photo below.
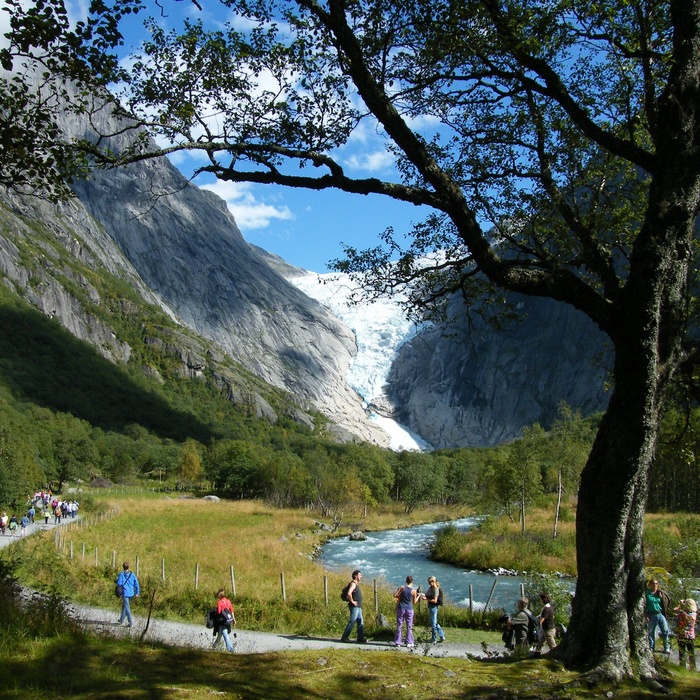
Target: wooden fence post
(233, 582)
(471, 598)
(162, 570)
(325, 589)
(196, 576)
(284, 590)
(486, 607)
(376, 597)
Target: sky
(306, 228)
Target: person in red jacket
(224, 619)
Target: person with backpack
(434, 599)
(549, 631)
(224, 619)
(354, 600)
(524, 627)
(129, 589)
(406, 597)
(657, 603)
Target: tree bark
(607, 633)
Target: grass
(80, 667)
(499, 542)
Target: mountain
(247, 319)
(186, 247)
(472, 384)
(467, 383)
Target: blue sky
(307, 228)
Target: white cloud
(373, 162)
(249, 212)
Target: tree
(190, 466)
(555, 147)
(525, 459)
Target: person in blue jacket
(130, 589)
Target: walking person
(224, 619)
(656, 607)
(520, 623)
(130, 589)
(406, 596)
(433, 598)
(355, 609)
(4, 521)
(24, 524)
(686, 619)
(549, 631)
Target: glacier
(380, 328)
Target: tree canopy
(553, 145)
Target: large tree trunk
(607, 629)
(607, 634)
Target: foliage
(499, 542)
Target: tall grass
(499, 542)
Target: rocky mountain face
(181, 248)
(471, 384)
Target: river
(391, 555)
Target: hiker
(224, 619)
(130, 589)
(686, 618)
(433, 598)
(12, 525)
(549, 631)
(656, 607)
(519, 624)
(24, 524)
(406, 597)
(4, 520)
(355, 609)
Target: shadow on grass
(88, 667)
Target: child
(686, 617)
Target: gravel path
(246, 642)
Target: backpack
(344, 592)
(534, 629)
(119, 589)
(227, 616)
(441, 598)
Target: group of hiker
(406, 596)
(41, 506)
(522, 631)
(658, 610)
